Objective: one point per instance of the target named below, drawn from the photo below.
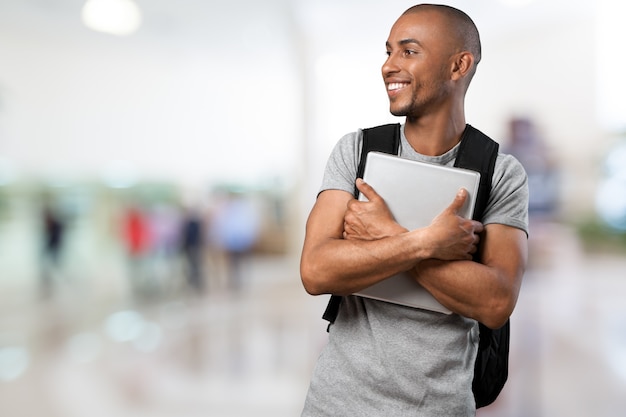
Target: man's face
(417, 70)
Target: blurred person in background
(381, 358)
(53, 236)
(235, 229)
(137, 239)
(529, 147)
(192, 247)
(163, 221)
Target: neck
(434, 136)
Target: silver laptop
(415, 192)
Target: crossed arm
(350, 245)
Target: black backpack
(476, 152)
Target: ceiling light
(117, 17)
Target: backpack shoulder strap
(384, 138)
(478, 152)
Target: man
(383, 359)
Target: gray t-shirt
(387, 360)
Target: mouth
(396, 86)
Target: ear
(462, 64)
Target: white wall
(194, 106)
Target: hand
(369, 220)
(451, 236)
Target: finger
(346, 230)
(366, 190)
(458, 202)
(478, 226)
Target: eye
(409, 52)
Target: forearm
(342, 266)
(470, 289)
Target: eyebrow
(405, 42)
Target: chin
(398, 113)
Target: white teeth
(395, 86)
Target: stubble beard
(410, 109)
(417, 105)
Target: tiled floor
(93, 351)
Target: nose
(389, 66)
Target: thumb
(366, 190)
(458, 202)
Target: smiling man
(383, 359)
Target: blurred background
(158, 160)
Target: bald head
(461, 27)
